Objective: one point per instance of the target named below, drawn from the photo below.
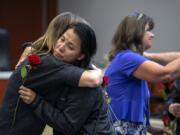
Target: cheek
(145, 39)
(73, 56)
(55, 49)
(70, 56)
(56, 46)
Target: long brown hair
(129, 34)
(46, 43)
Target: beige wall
(104, 16)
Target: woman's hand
(174, 109)
(24, 55)
(159, 130)
(27, 95)
(91, 78)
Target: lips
(58, 56)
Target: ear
(82, 56)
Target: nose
(152, 35)
(62, 47)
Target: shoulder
(129, 54)
(86, 92)
(49, 59)
(129, 57)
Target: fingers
(19, 62)
(17, 65)
(175, 109)
(26, 99)
(24, 88)
(167, 131)
(26, 94)
(24, 55)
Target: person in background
(173, 103)
(57, 83)
(129, 72)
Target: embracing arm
(91, 78)
(78, 77)
(71, 114)
(154, 72)
(162, 57)
(24, 55)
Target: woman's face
(147, 38)
(68, 47)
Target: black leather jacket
(80, 111)
(46, 79)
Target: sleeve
(71, 117)
(71, 75)
(129, 62)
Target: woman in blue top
(129, 72)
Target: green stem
(15, 113)
(18, 102)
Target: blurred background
(22, 21)
(105, 15)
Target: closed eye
(70, 46)
(62, 39)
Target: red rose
(166, 120)
(34, 60)
(105, 80)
